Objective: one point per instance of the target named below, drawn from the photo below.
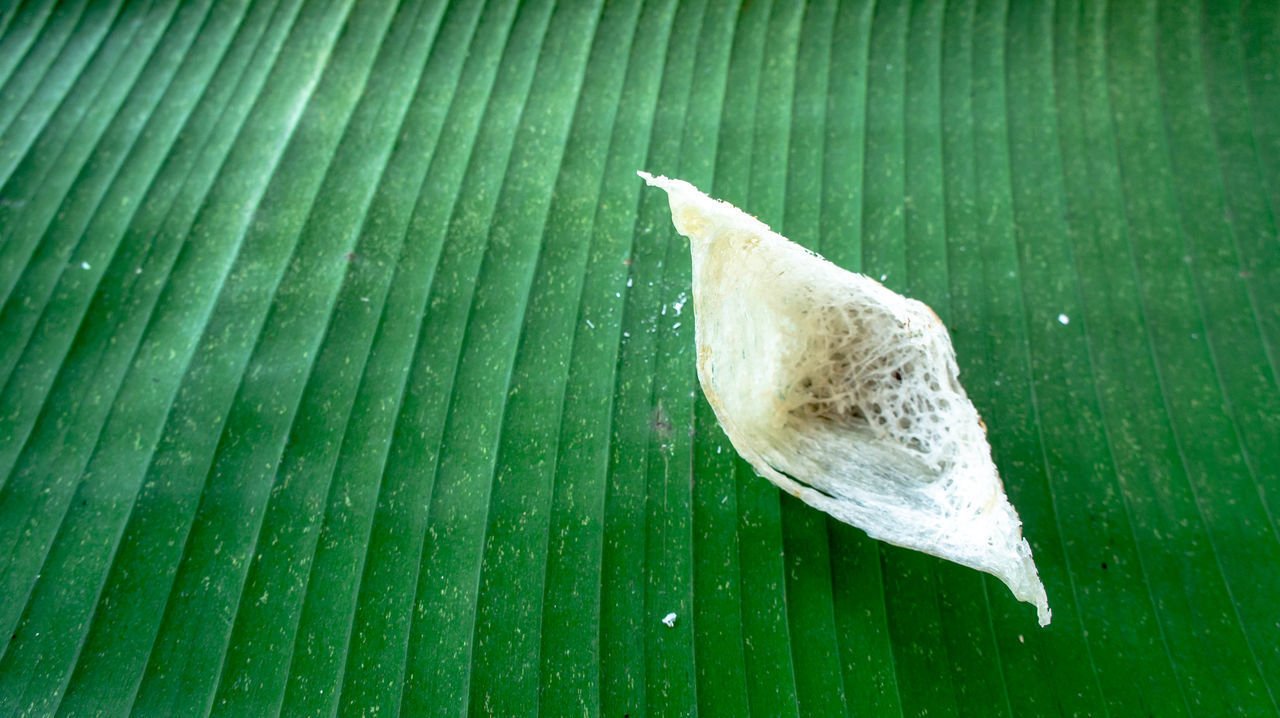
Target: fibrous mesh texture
(854, 372)
(845, 394)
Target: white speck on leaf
(1064, 319)
(669, 620)
(84, 265)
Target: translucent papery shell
(845, 394)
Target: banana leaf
(346, 366)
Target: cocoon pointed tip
(844, 394)
(694, 213)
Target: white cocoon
(845, 394)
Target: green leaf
(348, 368)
